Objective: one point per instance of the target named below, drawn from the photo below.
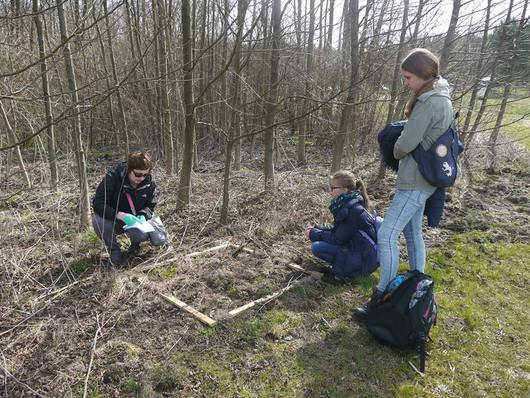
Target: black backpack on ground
(405, 313)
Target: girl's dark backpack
(405, 313)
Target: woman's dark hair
(139, 160)
(346, 179)
(424, 64)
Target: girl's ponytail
(361, 187)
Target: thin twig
(22, 321)
(98, 332)
(20, 383)
(61, 290)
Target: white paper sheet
(144, 227)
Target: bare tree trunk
(14, 139)
(450, 36)
(112, 129)
(308, 83)
(158, 75)
(399, 57)
(402, 96)
(167, 132)
(417, 23)
(364, 30)
(478, 73)
(150, 118)
(273, 94)
(50, 133)
(493, 75)
(224, 91)
(492, 144)
(321, 20)
(183, 194)
(329, 41)
(122, 122)
(84, 204)
(346, 35)
(130, 37)
(234, 128)
(371, 56)
(347, 110)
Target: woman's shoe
(116, 256)
(134, 248)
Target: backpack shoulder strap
(131, 204)
(372, 215)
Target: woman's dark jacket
(344, 232)
(110, 195)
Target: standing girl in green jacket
(429, 112)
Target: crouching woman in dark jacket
(345, 244)
(126, 197)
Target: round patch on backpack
(441, 151)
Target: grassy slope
(480, 345)
(516, 121)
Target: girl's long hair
(422, 63)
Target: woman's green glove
(129, 219)
(141, 217)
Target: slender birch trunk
(50, 133)
(122, 125)
(273, 94)
(183, 194)
(13, 137)
(84, 204)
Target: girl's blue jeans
(325, 251)
(350, 263)
(404, 214)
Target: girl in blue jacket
(342, 244)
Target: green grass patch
(82, 265)
(132, 387)
(516, 122)
(479, 347)
(166, 379)
(165, 272)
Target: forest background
(248, 106)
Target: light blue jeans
(404, 214)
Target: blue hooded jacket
(344, 232)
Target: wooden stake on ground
(211, 249)
(210, 321)
(263, 300)
(182, 305)
(240, 248)
(296, 267)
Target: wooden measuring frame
(263, 300)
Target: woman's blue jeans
(404, 214)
